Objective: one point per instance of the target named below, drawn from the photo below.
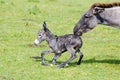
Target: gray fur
(59, 45)
(98, 15)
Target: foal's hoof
(44, 64)
(53, 63)
(61, 66)
(78, 63)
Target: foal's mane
(106, 5)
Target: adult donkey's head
(89, 20)
(99, 13)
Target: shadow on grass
(110, 61)
(32, 45)
(74, 64)
(89, 61)
(36, 58)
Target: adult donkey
(99, 13)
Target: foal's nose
(36, 42)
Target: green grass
(20, 21)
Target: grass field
(20, 21)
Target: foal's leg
(81, 56)
(42, 55)
(73, 56)
(55, 58)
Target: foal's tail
(77, 32)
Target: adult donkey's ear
(44, 26)
(97, 10)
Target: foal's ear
(97, 10)
(44, 26)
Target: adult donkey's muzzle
(78, 33)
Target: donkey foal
(59, 45)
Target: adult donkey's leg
(42, 55)
(73, 56)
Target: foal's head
(42, 34)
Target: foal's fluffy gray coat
(59, 45)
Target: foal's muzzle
(36, 42)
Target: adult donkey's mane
(106, 5)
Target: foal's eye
(39, 35)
